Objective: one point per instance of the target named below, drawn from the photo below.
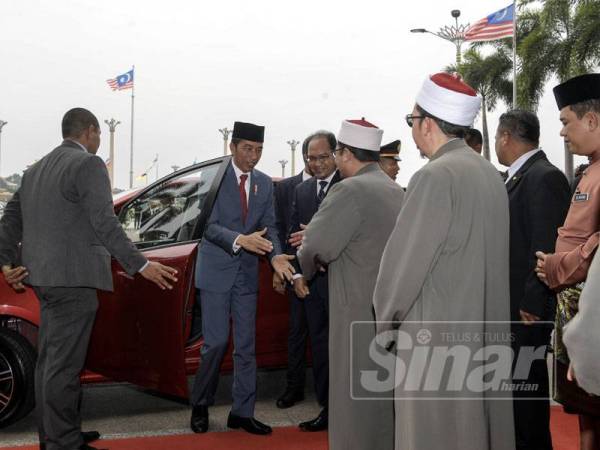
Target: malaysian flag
(121, 82)
(495, 26)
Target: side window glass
(168, 213)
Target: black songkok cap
(248, 132)
(577, 90)
(391, 150)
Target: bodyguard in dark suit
(241, 227)
(539, 197)
(64, 219)
(311, 301)
(297, 330)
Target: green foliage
(554, 37)
(561, 38)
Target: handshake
(257, 243)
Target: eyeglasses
(318, 159)
(410, 119)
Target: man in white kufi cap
(446, 261)
(346, 237)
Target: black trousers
(66, 320)
(309, 317)
(532, 408)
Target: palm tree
(488, 75)
(563, 39)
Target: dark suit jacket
(539, 197)
(284, 196)
(304, 208)
(63, 215)
(218, 265)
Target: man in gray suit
(63, 217)
(348, 234)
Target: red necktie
(243, 196)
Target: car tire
(17, 366)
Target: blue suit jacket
(217, 264)
(284, 196)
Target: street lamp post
(293, 143)
(2, 123)
(225, 132)
(453, 33)
(112, 125)
(283, 162)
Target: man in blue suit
(311, 300)
(241, 227)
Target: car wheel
(17, 364)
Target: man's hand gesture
(14, 277)
(540, 268)
(283, 268)
(296, 238)
(160, 274)
(255, 242)
(301, 288)
(278, 283)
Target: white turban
(449, 98)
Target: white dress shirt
(236, 248)
(328, 179)
(515, 166)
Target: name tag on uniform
(581, 197)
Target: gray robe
(348, 233)
(447, 260)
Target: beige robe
(348, 233)
(447, 260)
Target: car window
(168, 213)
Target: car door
(139, 334)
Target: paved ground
(119, 410)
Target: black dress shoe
(249, 424)
(289, 398)
(199, 420)
(319, 424)
(89, 436)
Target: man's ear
(231, 147)
(592, 121)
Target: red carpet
(564, 434)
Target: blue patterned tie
(321, 194)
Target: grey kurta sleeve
(330, 229)
(413, 247)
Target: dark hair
(305, 147)
(447, 128)
(522, 125)
(76, 121)
(331, 140)
(580, 109)
(235, 141)
(361, 154)
(473, 137)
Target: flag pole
(131, 138)
(514, 54)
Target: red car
(143, 335)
